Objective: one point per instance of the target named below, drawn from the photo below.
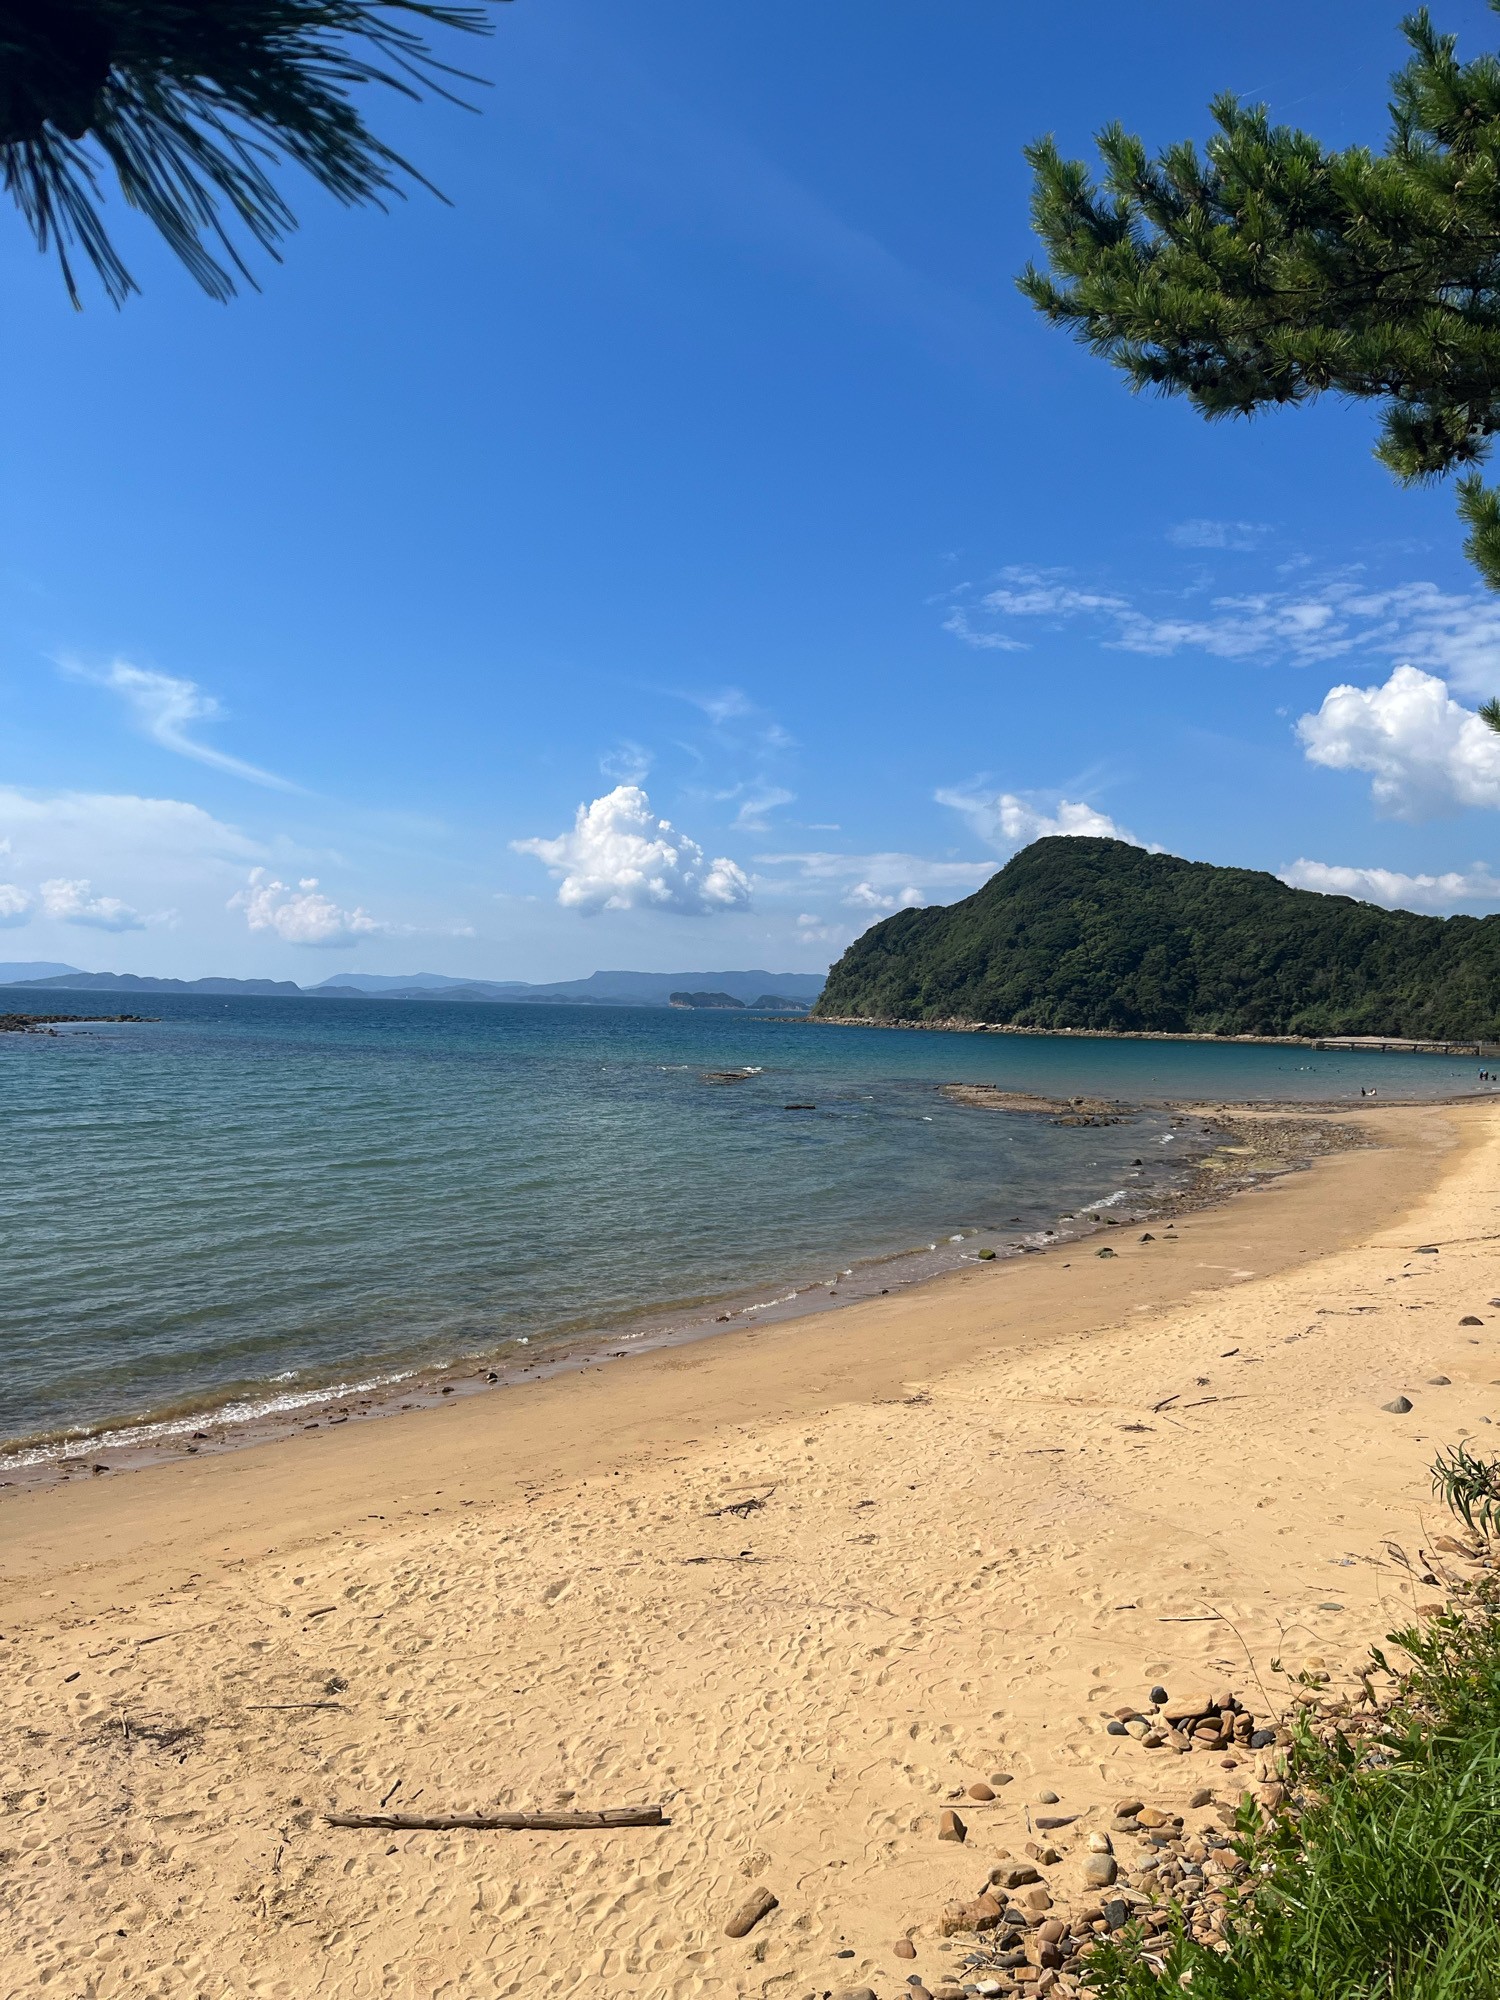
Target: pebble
(904, 1948)
(1202, 1797)
(1047, 1799)
(1106, 1252)
(1397, 1408)
(1472, 1319)
(1127, 1808)
(1100, 1843)
(1013, 1875)
(1099, 1871)
(856, 1993)
(950, 1826)
(981, 1792)
(1438, 1381)
(1158, 1695)
(1000, 1777)
(1114, 1727)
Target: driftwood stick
(511, 1822)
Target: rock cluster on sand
(1032, 1934)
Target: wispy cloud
(1392, 889)
(627, 763)
(165, 707)
(1454, 633)
(751, 817)
(1240, 536)
(885, 881)
(15, 905)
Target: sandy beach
(797, 1584)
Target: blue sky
(700, 471)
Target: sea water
(245, 1201)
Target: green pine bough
(1381, 1878)
(1270, 269)
(190, 104)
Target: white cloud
(627, 763)
(751, 817)
(1394, 890)
(302, 915)
(1238, 535)
(71, 902)
(1006, 821)
(620, 856)
(865, 896)
(1454, 633)
(888, 876)
(1427, 753)
(15, 905)
(164, 706)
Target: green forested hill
(1078, 933)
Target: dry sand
(978, 1537)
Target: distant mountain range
(763, 990)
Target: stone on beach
(1099, 1871)
(950, 1826)
(749, 1914)
(904, 1948)
(1398, 1406)
(981, 1792)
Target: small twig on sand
(554, 1822)
(744, 1556)
(258, 1707)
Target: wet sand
(984, 1507)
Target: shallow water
(248, 1200)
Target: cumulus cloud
(619, 855)
(1394, 890)
(865, 896)
(1453, 633)
(72, 902)
(301, 915)
(164, 706)
(1006, 821)
(1426, 753)
(15, 905)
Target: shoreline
(202, 1427)
(1349, 1044)
(801, 1586)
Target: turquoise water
(246, 1201)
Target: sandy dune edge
(964, 1560)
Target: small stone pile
(1218, 1721)
(1149, 1862)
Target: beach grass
(1381, 1877)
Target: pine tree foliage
(1267, 269)
(191, 104)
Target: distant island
(764, 1003)
(1095, 934)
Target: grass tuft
(1381, 1878)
